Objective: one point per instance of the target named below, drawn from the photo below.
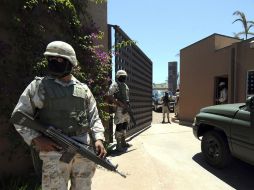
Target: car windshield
(158, 93)
(170, 93)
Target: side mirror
(250, 103)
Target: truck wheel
(215, 149)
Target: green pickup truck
(225, 131)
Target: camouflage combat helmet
(61, 49)
(121, 73)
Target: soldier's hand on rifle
(101, 151)
(44, 144)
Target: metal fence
(139, 69)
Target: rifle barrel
(68, 144)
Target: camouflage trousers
(56, 174)
(121, 117)
(120, 136)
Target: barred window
(250, 83)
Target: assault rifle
(129, 110)
(69, 145)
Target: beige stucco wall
(192, 87)
(223, 41)
(245, 62)
(200, 63)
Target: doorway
(220, 82)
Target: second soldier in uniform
(119, 94)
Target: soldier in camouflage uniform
(62, 101)
(119, 95)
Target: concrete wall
(99, 15)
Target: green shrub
(28, 26)
(20, 183)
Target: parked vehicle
(157, 101)
(226, 130)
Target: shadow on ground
(175, 120)
(114, 152)
(238, 175)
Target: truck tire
(215, 149)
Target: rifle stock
(129, 110)
(69, 145)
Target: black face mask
(122, 79)
(59, 69)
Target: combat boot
(119, 146)
(124, 143)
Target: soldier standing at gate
(119, 94)
(60, 100)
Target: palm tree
(246, 24)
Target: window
(250, 83)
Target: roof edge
(214, 34)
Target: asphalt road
(167, 156)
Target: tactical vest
(123, 92)
(64, 107)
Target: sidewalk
(168, 157)
(143, 171)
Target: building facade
(208, 62)
(160, 86)
(172, 76)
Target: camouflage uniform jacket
(33, 97)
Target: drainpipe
(232, 75)
(235, 73)
(233, 68)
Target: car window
(158, 94)
(170, 93)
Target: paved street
(167, 156)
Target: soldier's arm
(110, 95)
(93, 116)
(95, 123)
(27, 102)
